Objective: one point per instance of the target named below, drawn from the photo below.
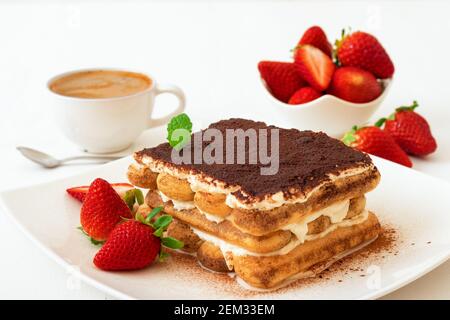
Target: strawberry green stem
(172, 243)
(338, 43)
(296, 48)
(93, 241)
(162, 256)
(152, 214)
(414, 105)
(350, 136)
(380, 122)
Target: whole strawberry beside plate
(405, 132)
(373, 140)
(410, 130)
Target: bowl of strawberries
(329, 88)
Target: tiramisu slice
(267, 228)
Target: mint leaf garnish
(179, 131)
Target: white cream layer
(226, 247)
(336, 212)
(277, 200)
(187, 205)
(177, 204)
(199, 182)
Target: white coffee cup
(104, 125)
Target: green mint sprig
(179, 131)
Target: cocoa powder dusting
(306, 159)
(187, 268)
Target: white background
(211, 50)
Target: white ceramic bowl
(328, 113)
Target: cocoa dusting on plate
(186, 268)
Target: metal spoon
(48, 161)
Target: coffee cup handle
(176, 91)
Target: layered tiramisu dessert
(268, 229)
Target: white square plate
(417, 204)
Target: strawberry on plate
(355, 85)
(281, 78)
(135, 244)
(362, 50)
(316, 37)
(304, 95)
(102, 210)
(410, 130)
(375, 141)
(80, 192)
(314, 66)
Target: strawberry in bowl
(330, 88)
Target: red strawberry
(355, 85)
(411, 131)
(314, 66)
(375, 141)
(282, 78)
(79, 193)
(135, 244)
(102, 210)
(303, 95)
(131, 245)
(316, 37)
(362, 50)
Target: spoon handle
(98, 157)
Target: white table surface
(210, 49)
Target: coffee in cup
(100, 84)
(105, 110)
